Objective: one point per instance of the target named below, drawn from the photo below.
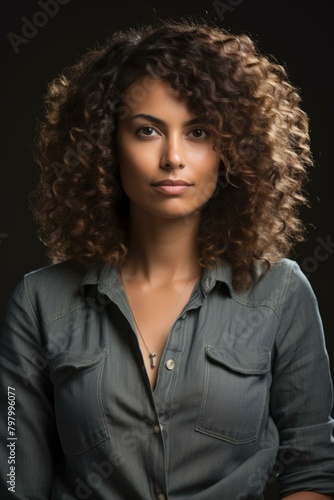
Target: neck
(162, 250)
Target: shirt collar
(222, 273)
(104, 278)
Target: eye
(145, 131)
(199, 133)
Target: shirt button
(161, 496)
(170, 365)
(156, 428)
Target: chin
(185, 214)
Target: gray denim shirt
(244, 381)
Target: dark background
(295, 32)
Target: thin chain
(152, 354)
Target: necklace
(151, 354)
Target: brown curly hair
(259, 130)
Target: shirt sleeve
(27, 426)
(302, 394)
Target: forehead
(156, 94)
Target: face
(168, 166)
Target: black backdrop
(39, 38)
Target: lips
(172, 187)
(170, 182)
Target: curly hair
(259, 129)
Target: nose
(173, 155)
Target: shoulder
(51, 290)
(62, 276)
(290, 287)
(287, 276)
(283, 273)
(63, 272)
(283, 285)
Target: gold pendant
(152, 358)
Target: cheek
(208, 181)
(209, 187)
(128, 166)
(135, 161)
(134, 168)
(210, 173)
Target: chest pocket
(235, 394)
(79, 410)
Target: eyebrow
(158, 121)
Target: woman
(171, 349)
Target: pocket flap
(76, 360)
(248, 362)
